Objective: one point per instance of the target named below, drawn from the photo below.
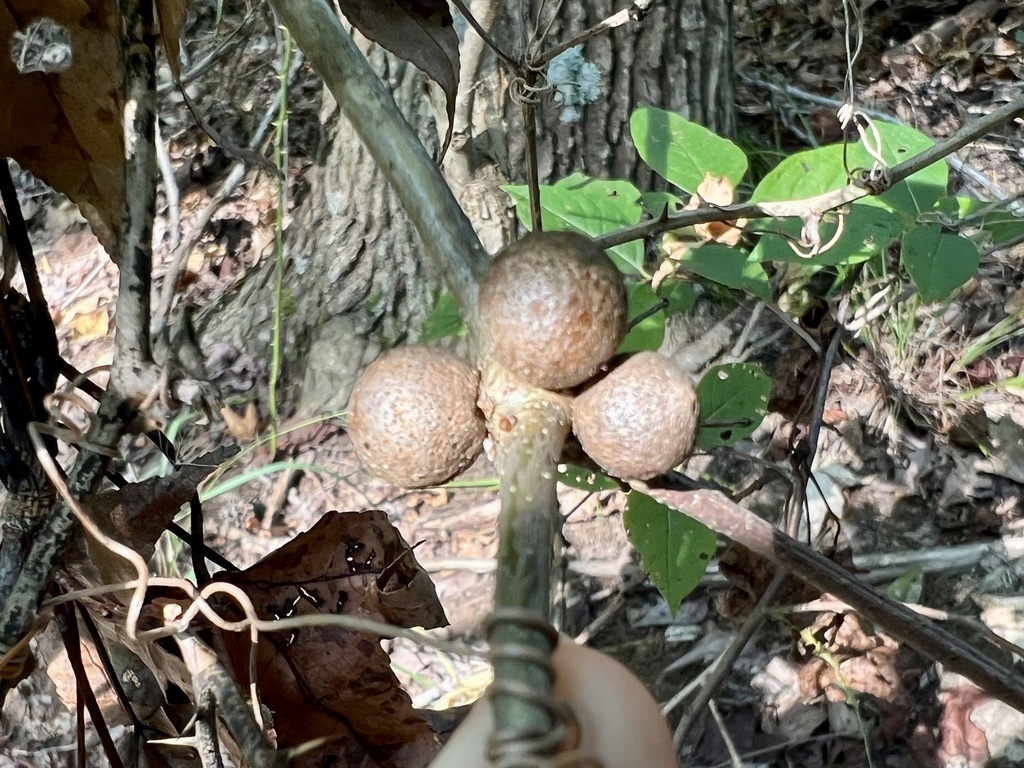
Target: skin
(620, 722)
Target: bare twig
(696, 705)
(212, 683)
(171, 192)
(485, 35)
(744, 527)
(85, 693)
(635, 12)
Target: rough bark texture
(355, 283)
(678, 58)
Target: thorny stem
(811, 209)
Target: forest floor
(926, 514)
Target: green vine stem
(528, 427)
(281, 162)
(447, 234)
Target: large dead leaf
(420, 31)
(328, 682)
(138, 513)
(61, 76)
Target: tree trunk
(355, 283)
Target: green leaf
(683, 152)
(867, 230)
(649, 332)
(594, 207)
(734, 398)
(675, 550)
(821, 170)
(444, 320)
(679, 294)
(656, 203)
(938, 263)
(585, 479)
(730, 267)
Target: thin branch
(635, 12)
(445, 231)
(714, 510)
(132, 357)
(727, 661)
(485, 36)
(812, 208)
(532, 174)
(212, 683)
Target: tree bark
(355, 284)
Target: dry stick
(132, 360)
(635, 12)
(210, 679)
(744, 527)
(481, 29)
(812, 208)
(532, 174)
(84, 694)
(179, 257)
(724, 665)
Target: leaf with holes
(683, 152)
(733, 402)
(675, 550)
(585, 479)
(938, 263)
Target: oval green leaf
(649, 332)
(821, 170)
(730, 267)
(683, 152)
(594, 207)
(734, 399)
(937, 262)
(444, 320)
(675, 549)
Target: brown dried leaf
(328, 682)
(172, 14)
(61, 81)
(717, 191)
(90, 325)
(138, 513)
(245, 427)
(420, 31)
